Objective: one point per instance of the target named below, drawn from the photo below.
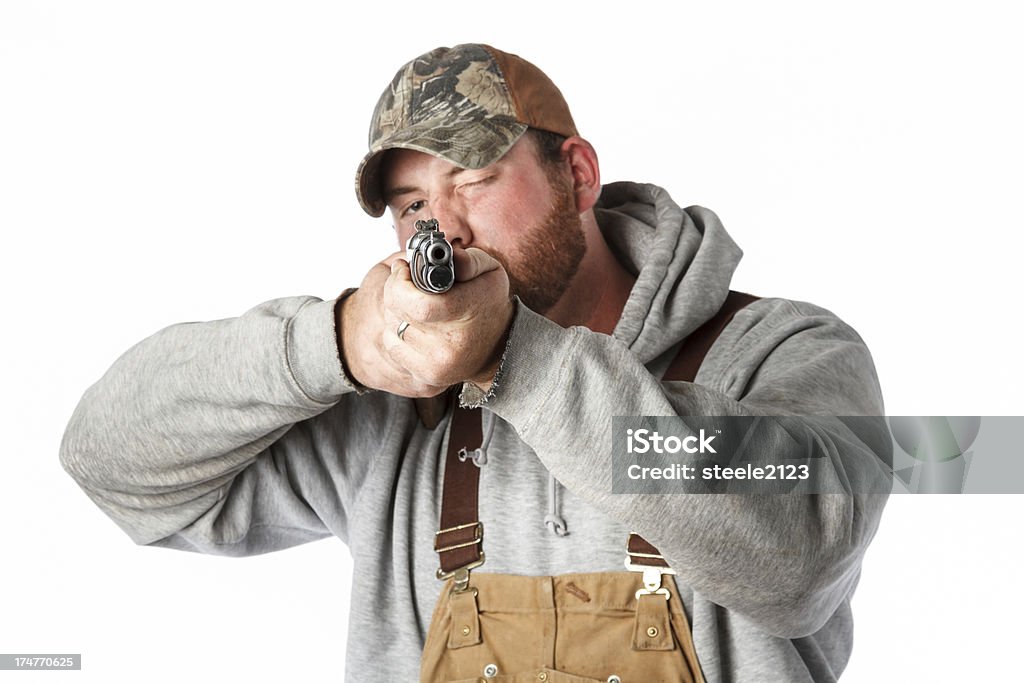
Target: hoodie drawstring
(554, 520)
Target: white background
(162, 162)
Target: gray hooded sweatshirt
(243, 436)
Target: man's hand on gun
(453, 337)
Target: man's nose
(452, 222)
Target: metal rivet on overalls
(465, 630)
(652, 631)
(491, 670)
(614, 679)
(542, 676)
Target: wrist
(487, 380)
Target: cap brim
(467, 144)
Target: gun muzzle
(430, 258)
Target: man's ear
(586, 172)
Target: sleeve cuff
(530, 369)
(312, 353)
(471, 396)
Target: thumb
(400, 270)
(472, 263)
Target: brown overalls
(608, 627)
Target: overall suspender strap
(460, 540)
(696, 346)
(684, 368)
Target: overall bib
(607, 627)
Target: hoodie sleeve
(200, 437)
(784, 561)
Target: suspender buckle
(458, 537)
(461, 575)
(455, 538)
(652, 565)
(651, 578)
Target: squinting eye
(478, 182)
(414, 207)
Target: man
(294, 421)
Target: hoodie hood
(683, 260)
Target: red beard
(547, 257)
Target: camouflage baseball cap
(467, 104)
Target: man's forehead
(402, 170)
(399, 166)
(397, 160)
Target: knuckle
(444, 368)
(422, 308)
(430, 379)
(446, 308)
(389, 342)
